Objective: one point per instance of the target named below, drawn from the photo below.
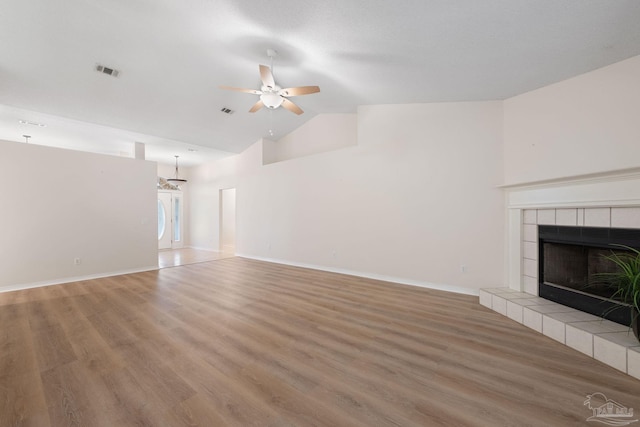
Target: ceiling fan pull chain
(271, 123)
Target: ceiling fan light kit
(271, 95)
(271, 100)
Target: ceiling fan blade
(267, 77)
(239, 89)
(302, 90)
(258, 105)
(291, 106)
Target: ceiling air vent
(227, 110)
(107, 70)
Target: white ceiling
(174, 54)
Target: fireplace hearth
(570, 260)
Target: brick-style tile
(532, 319)
(597, 217)
(546, 216)
(530, 216)
(553, 328)
(625, 217)
(567, 217)
(530, 233)
(530, 267)
(530, 250)
(485, 298)
(579, 340)
(499, 304)
(611, 348)
(514, 311)
(530, 285)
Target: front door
(164, 220)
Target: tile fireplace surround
(598, 200)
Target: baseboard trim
(61, 281)
(393, 279)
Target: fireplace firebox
(570, 260)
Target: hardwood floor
(246, 343)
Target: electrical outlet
(77, 261)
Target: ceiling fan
(273, 96)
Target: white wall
(228, 220)
(59, 205)
(324, 132)
(412, 202)
(586, 124)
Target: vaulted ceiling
(173, 56)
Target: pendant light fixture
(177, 180)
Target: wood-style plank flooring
(237, 342)
(185, 256)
